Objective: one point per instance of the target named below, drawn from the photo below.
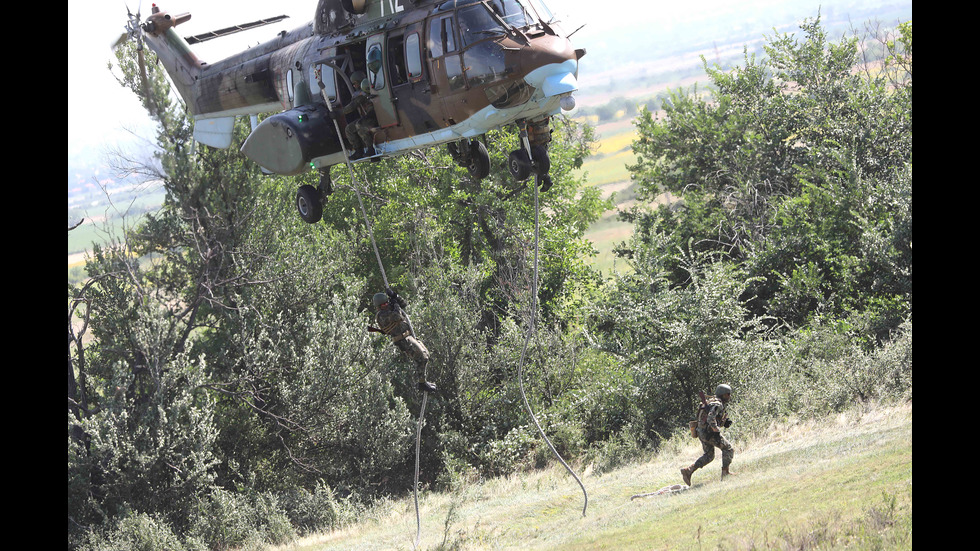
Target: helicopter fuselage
(439, 72)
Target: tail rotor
(134, 33)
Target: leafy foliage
(223, 391)
(798, 168)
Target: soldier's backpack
(701, 417)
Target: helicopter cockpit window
(512, 12)
(477, 22)
(543, 12)
(442, 38)
(484, 63)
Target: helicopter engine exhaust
(285, 143)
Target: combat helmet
(723, 389)
(379, 299)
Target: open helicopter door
(384, 108)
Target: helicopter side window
(413, 56)
(454, 70)
(375, 67)
(329, 84)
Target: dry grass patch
(838, 482)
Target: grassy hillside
(843, 481)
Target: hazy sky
(101, 111)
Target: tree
(676, 338)
(787, 168)
(229, 331)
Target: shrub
(229, 520)
(138, 532)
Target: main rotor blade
(233, 29)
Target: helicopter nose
(553, 67)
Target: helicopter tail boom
(172, 50)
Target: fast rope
(531, 327)
(384, 276)
(425, 395)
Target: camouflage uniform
(359, 132)
(711, 418)
(710, 423)
(392, 322)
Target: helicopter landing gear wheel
(471, 155)
(519, 164)
(308, 204)
(479, 165)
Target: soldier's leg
(364, 126)
(707, 444)
(420, 355)
(727, 455)
(353, 138)
(707, 457)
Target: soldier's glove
(728, 423)
(396, 299)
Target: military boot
(725, 472)
(686, 473)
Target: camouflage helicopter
(436, 72)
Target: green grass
(609, 169)
(841, 482)
(606, 234)
(608, 164)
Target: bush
(139, 532)
(818, 371)
(229, 520)
(318, 510)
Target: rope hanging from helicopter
(384, 276)
(531, 325)
(530, 332)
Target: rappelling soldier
(712, 416)
(392, 321)
(360, 133)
